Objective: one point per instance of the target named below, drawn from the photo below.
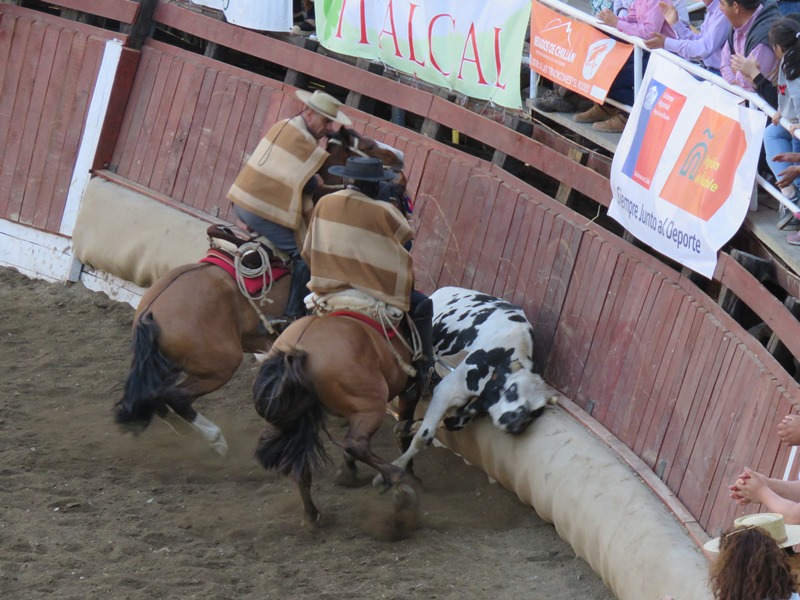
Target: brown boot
(595, 114)
(615, 124)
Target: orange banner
(702, 180)
(573, 54)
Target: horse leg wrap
(212, 433)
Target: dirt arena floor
(88, 513)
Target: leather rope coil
(264, 270)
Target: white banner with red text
(274, 15)
(472, 47)
(685, 166)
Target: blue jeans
(281, 236)
(788, 8)
(621, 89)
(777, 140)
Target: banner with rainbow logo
(683, 172)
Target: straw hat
(771, 523)
(324, 104)
(362, 168)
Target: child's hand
(607, 17)
(670, 12)
(788, 176)
(656, 41)
(790, 157)
(776, 118)
(746, 65)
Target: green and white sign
(473, 47)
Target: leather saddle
(230, 239)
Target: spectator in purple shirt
(749, 38)
(704, 47)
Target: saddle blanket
(253, 285)
(389, 333)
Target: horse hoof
(404, 496)
(311, 522)
(345, 478)
(407, 514)
(221, 450)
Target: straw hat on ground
(771, 523)
(324, 104)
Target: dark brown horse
(348, 142)
(193, 326)
(337, 365)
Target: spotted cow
(496, 374)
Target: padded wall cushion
(133, 236)
(596, 502)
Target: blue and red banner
(684, 168)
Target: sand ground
(88, 513)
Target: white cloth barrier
(596, 502)
(132, 236)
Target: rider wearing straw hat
(272, 193)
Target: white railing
(752, 98)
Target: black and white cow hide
(496, 375)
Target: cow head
(512, 395)
(521, 400)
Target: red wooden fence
(46, 82)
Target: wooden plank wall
(46, 81)
(623, 335)
(669, 374)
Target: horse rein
(353, 149)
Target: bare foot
(789, 430)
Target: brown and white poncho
(271, 182)
(356, 242)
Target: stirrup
(420, 383)
(282, 323)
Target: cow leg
(448, 394)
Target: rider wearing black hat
(357, 242)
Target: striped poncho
(356, 242)
(271, 183)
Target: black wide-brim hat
(363, 168)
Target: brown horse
(342, 366)
(348, 142)
(193, 326)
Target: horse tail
(151, 380)
(285, 397)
